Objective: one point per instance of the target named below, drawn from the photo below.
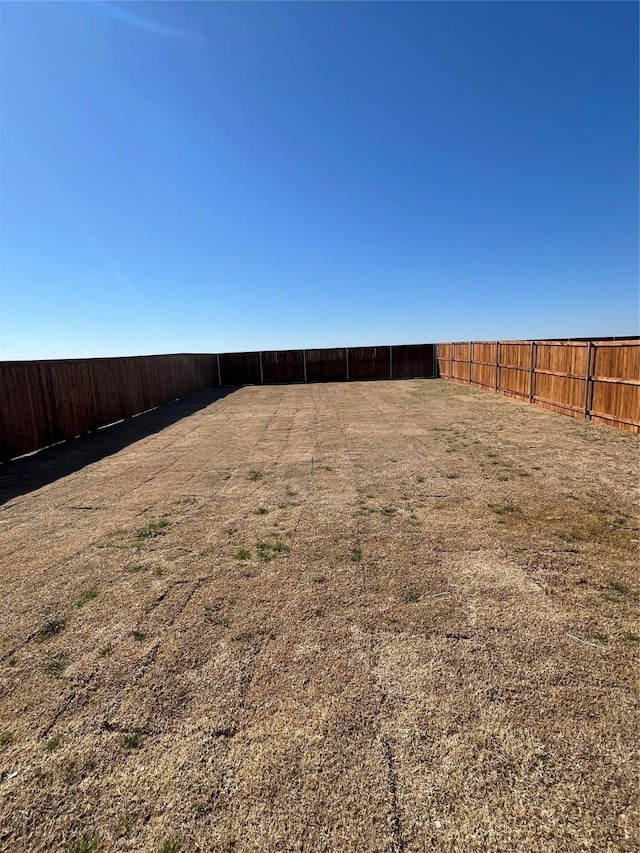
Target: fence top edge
(327, 349)
(630, 341)
(551, 342)
(107, 358)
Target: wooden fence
(327, 365)
(43, 402)
(598, 380)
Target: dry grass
(365, 617)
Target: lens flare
(119, 12)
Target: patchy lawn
(388, 616)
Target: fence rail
(598, 380)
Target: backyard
(384, 616)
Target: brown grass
(428, 641)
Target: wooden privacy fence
(42, 402)
(598, 380)
(327, 365)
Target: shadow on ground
(45, 466)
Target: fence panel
(514, 382)
(283, 366)
(613, 401)
(618, 359)
(460, 364)
(370, 363)
(515, 355)
(616, 404)
(483, 375)
(484, 352)
(595, 379)
(560, 393)
(240, 368)
(43, 402)
(444, 360)
(413, 361)
(23, 420)
(326, 365)
(569, 358)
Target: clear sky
(202, 177)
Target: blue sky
(202, 177)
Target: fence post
(304, 363)
(587, 379)
(532, 372)
(434, 360)
(390, 362)
(346, 354)
(261, 373)
(470, 359)
(497, 388)
(219, 374)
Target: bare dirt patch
(390, 616)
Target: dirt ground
(387, 616)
